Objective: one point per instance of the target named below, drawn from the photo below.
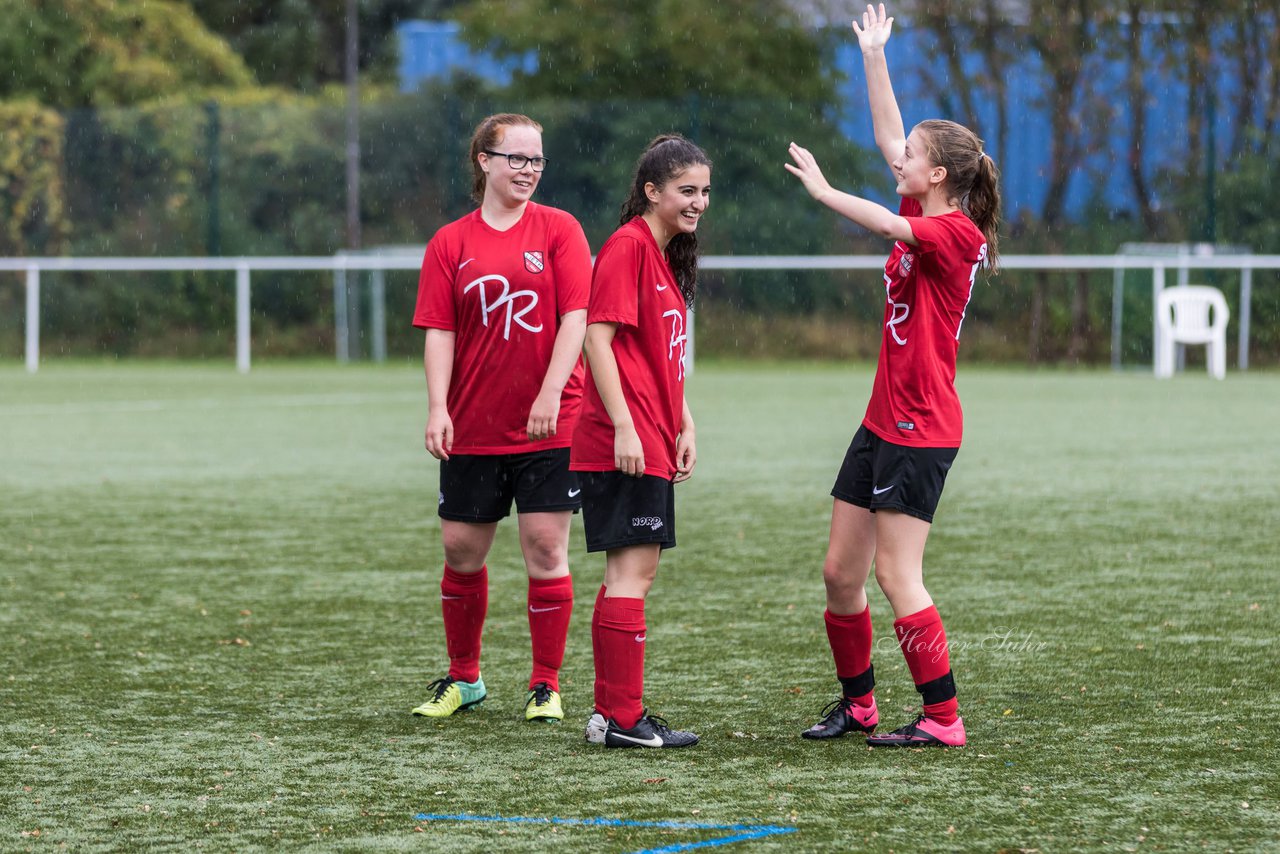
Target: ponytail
(983, 203)
(972, 178)
(664, 158)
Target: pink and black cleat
(842, 716)
(922, 732)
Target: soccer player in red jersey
(503, 299)
(635, 440)
(892, 477)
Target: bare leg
(899, 557)
(849, 553)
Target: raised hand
(875, 29)
(806, 169)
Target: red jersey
(502, 293)
(914, 400)
(634, 287)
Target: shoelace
(909, 729)
(439, 687)
(659, 724)
(836, 705)
(541, 694)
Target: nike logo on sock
(533, 610)
(442, 596)
(640, 638)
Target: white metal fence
(341, 265)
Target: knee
(839, 580)
(462, 553)
(896, 586)
(545, 553)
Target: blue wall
(1026, 162)
(433, 50)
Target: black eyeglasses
(517, 161)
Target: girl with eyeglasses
(503, 298)
(636, 437)
(892, 477)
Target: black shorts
(880, 475)
(481, 487)
(619, 510)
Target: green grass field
(219, 601)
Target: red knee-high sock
(597, 656)
(464, 598)
(550, 607)
(924, 645)
(622, 636)
(850, 638)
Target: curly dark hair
(664, 158)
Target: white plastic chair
(1191, 314)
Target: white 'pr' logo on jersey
(904, 268)
(678, 338)
(506, 298)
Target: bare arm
(868, 214)
(437, 359)
(545, 411)
(686, 447)
(886, 119)
(628, 454)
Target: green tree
(32, 206)
(300, 44)
(647, 49)
(77, 53)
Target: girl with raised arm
(892, 476)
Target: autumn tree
(79, 53)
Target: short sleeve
(572, 260)
(615, 288)
(435, 307)
(927, 231)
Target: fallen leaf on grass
(234, 642)
(656, 780)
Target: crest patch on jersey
(904, 264)
(533, 262)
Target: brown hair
(664, 158)
(488, 135)
(972, 177)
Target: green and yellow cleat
(449, 695)
(543, 705)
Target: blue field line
(745, 832)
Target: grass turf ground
(218, 602)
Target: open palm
(875, 29)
